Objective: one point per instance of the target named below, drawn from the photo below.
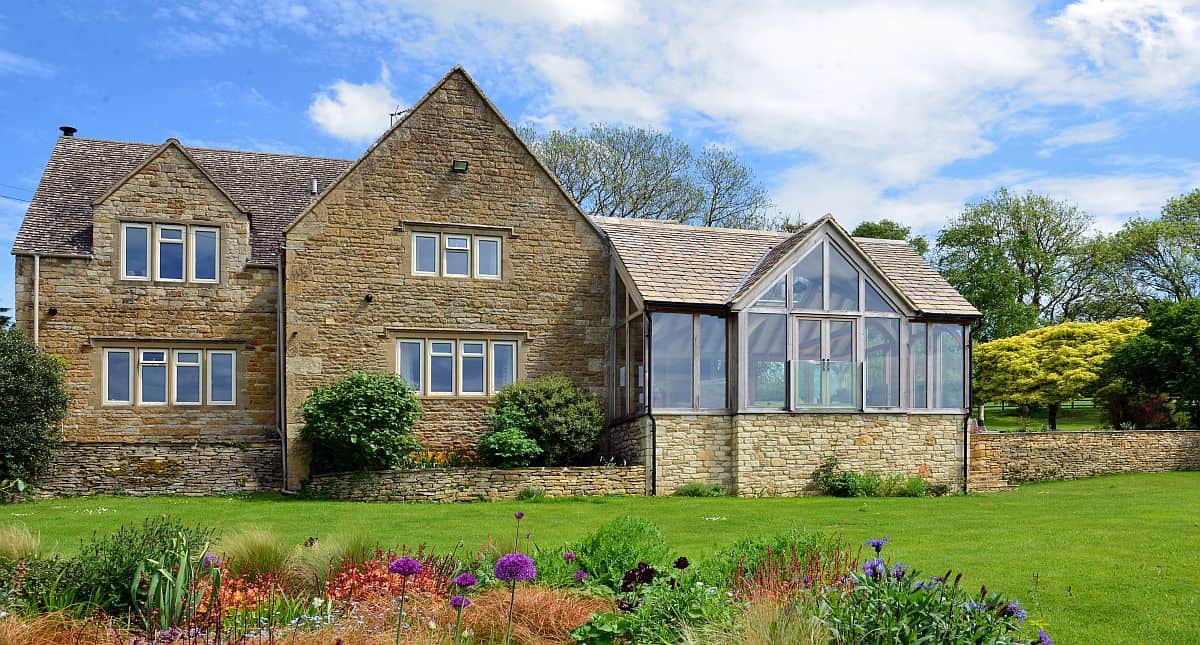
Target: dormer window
(457, 255)
(170, 252)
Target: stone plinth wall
(162, 469)
(695, 448)
(471, 484)
(628, 442)
(1002, 460)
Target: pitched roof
(273, 188)
(680, 264)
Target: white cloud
(16, 64)
(574, 91)
(355, 112)
(1085, 134)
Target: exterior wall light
(458, 165)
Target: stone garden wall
(94, 468)
(471, 484)
(1002, 460)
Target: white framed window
(221, 377)
(504, 365)
(472, 368)
(456, 257)
(205, 254)
(135, 251)
(117, 379)
(185, 387)
(410, 363)
(487, 257)
(441, 367)
(170, 255)
(152, 377)
(425, 253)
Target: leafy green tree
(1166, 357)
(1049, 365)
(361, 422)
(620, 171)
(1018, 258)
(886, 229)
(563, 420)
(33, 399)
(1159, 259)
(5, 319)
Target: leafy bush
(361, 422)
(699, 489)
(33, 398)
(1165, 357)
(563, 419)
(655, 607)
(507, 445)
(254, 553)
(618, 546)
(752, 555)
(830, 480)
(1133, 406)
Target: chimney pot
(313, 190)
(68, 131)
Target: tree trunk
(1052, 421)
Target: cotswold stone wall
(695, 448)
(628, 442)
(552, 298)
(471, 484)
(95, 468)
(1002, 460)
(776, 454)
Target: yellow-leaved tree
(1049, 365)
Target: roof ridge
(206, 149)
(641, 221)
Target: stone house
(198, 295)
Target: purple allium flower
(581, 575)
(519, 515)
(1014, 609)
(1044, 638)
(681, 564)
(899, 571)
(874, 567)
(569, 556)
(515, 566)
(209, 561)
(460, 602)
(405, 566)
(877, 544)
(465, 579)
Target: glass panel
(171, 233)
(408, 363)
(620, 403)
(620, 298)
(170, 260)
(766, 360)
(504, 365)
(808, 340)
(489, 257)
(637, 366)
(441, 367)
(220, 377)
(918, 365)
(118, 365)
(206, 253)
(875, 300)
(473, 348)
(458, 263)
(426, 253)
(472, 374)
(187, 377)
(137, 252)
(713, 362)
(808, 382)
(457, 242)
(776, 296)
(672, 361)
(843, 283)
(807, 282)
(883, 362)
(841, 366)
(154, 383)
(154, 357)
(948, 366)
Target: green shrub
(1165, 358)
(507, 445)
(33, 399)
(914, 487)
(316, 560)
(750, 554)
(563, 419)
(618, 546)
(361, 422)
(699, 489)
(254, 553)
(660, 611)
(530, 494)
(830, 480)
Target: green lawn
(1104, 560)
(1083, 417)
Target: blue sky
(864, 109)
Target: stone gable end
(350, 290)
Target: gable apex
(170, 143)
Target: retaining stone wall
(1002, 460)
(472, 484)
(162, 469)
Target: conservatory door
(824, 372)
